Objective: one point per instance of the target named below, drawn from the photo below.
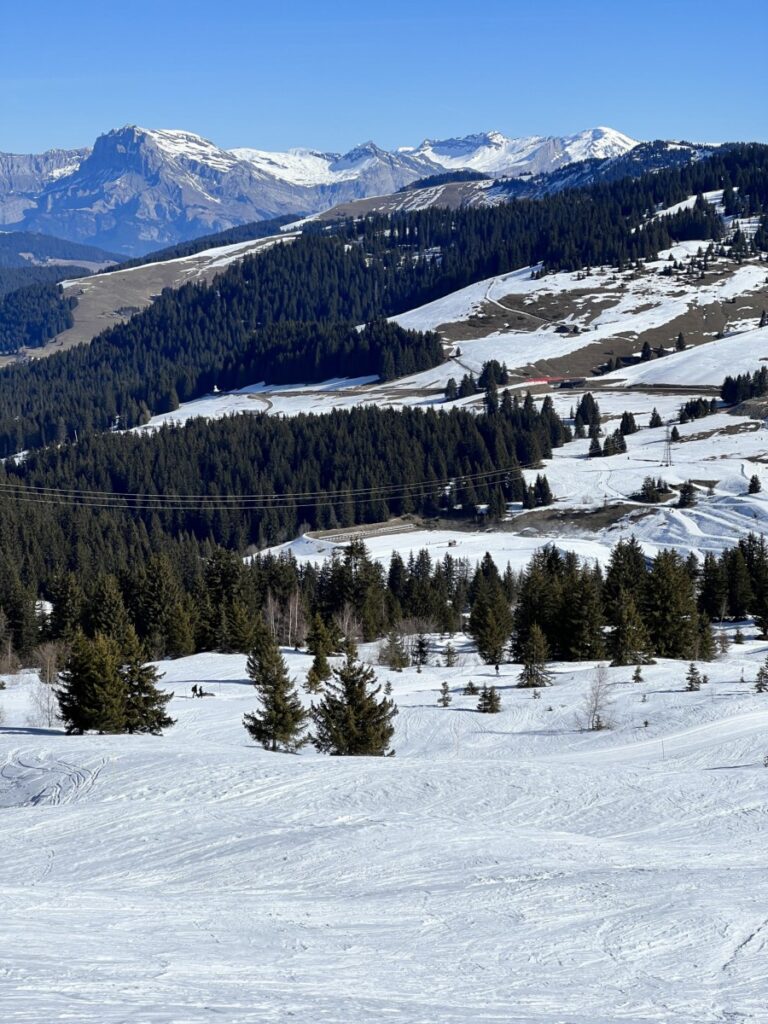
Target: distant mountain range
(138, 189)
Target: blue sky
(332, 73)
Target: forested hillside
(222, 335)
(32, 315)
(13, 278)
(254, 479)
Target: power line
(133, 501)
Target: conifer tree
(319, 639)
(445, 697)
(629, 642)
(535, 654)
(67, 599)
(754, 484)
(670, 612)
(93, 693)
(145, 705)
(705, 650)
(470, 690)
(319, 673)
(490, 622)
(489, 702)
(761, 682)
(422, 650)
(351, 720)
(107, 613)
(450, 655)
(693, 678)
(279, 722)
(637, 675)
(393, 652)
(655, 420)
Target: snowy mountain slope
(528, 323)
(497, 869)
(494, 153)
(139, 188)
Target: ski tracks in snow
(30, 780)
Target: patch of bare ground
(105, 300)
(579, 305)
(731, 429)
(551, 521)
(489, 319)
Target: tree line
(634, 610)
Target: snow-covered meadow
(499, 868)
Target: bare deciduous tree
(49, 658)
(595, 713)
(348, 622)
(45, 705)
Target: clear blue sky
(332, 73)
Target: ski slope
(505, 868)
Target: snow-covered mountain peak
(598, 143)
(140, 188)
(494, 153)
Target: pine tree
(144, 704)
(629, 642)
(470, 690)
(421, 652)
(754, 484)
(490, 622)
(761, 682)
(93, 695)
(637, 675)
(279, 722)
(319, 673)
(351, 720)
(445, 697)
(489, 702)
(706, 639)
(319, 639)
(669, 607)
(393, 653)
(107, 613)
(687, 496)
(450, 655)
(535, 656)
(655, 420)
(693, 678)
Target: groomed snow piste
(506, 868)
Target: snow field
(499, 868)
